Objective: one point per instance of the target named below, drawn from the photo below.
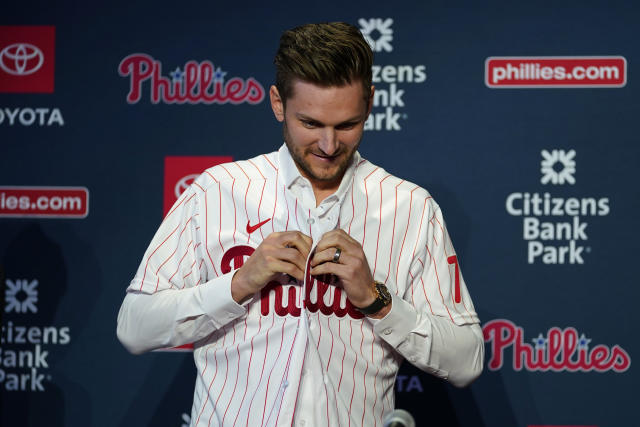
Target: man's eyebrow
(302, 116)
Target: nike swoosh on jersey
(252, 228)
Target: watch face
(383, 292)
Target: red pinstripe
(180, 262)
(271, 371)
(273, 214)
(330, 351)
(354, 370)
(285, 376)
(424, 206)
(220, 215)
(178, 205)
(375, 378)
(226, 375)
(169, 257)
(364, 230)
(246, 212)
(246, 387)
(215, 356)
(344, 353)
(198, 185)
(184, 282)
(286, 227)
(295, 212)
(375, 266)
(261, 194)
(200, 266)
(233, 200)
(435, 267)
(364, 377)
(266, 351)
(353, 208)
(260, 204)
(240, 167)
(267, 159)
(393, 232)
(227, 171)
(161, 265)
(152, 253)
(320, 328)
(233, 393)
(206, 233)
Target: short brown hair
(326, 54)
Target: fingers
(285, 267)
(337, 239)
(327, 255)
(298, 240)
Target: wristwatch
(382, 300)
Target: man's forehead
(298, 85)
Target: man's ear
(277, 105)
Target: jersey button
(311, 221)
(387, 331)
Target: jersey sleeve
(434, 324)
(177, 296)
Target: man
(350, 270)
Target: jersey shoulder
(372, 179)
(261, 167)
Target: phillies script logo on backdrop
(27, 55)
(181, 171)
(560, 350)
(195, 83)
(316, 289)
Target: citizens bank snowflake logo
(21, 296)
(378, 33)
(558, 167)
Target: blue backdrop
(535, 170)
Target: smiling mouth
(325, 157)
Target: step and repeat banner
(521, 119)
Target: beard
(324, 177)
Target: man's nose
(329, 141)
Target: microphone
(399, 418)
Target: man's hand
(352, 267)
(283, 252)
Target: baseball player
(305, 276)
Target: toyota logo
(184, 183)
(21, 59)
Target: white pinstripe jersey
(298, 351)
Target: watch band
(383, 299)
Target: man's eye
(308, 124)
(345, 126)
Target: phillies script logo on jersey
(27, 55)
(560, 350)
(181, 171)
(194, 83)
(317, 289)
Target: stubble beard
(298, 157)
